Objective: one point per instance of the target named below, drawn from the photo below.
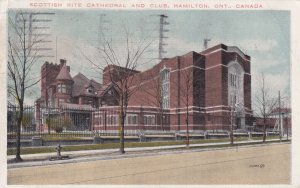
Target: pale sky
(263, 35)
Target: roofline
(226, 48)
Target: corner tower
(63, 84)
(227, 86)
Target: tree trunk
(161, 119)
(121, 130)
(265, 130)
(18, 139)
(231, 126)
(49, 128)
(187, 128)
(187, 133)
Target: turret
(63, 83)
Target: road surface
(244, 165)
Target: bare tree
(121, 66)
(23, 53)
(264, 102)
(186, 90)
(154, 91)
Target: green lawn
(24, 151)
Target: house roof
(64, 74)
(76, 106)
(282, 110)
(104, 89)
(81, 83)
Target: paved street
(244, 165)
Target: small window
(90, 90)
(63, 88)
(131, 119)
(112, 120)
(149, 120)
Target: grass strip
(35, 150)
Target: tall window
(98, 119)
(235, 84)
(112, 119)
(233, 80)
(165, 88)
(149, 119)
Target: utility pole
(101, 31)
(102, 27)
(39, 24)
(280, 123)
(162, 37)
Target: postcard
(149, 93)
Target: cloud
(258, 45)
(179, 46)
(247, 45)
(274, 66)
(267, 62)
(275, 82)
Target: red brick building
(59, 88)
(212, 86)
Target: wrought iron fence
(90, 122)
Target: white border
(292, 5)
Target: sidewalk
(106, 154)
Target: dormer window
(90, 89)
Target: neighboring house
(58, 87)
(277, 117)
(61, 94)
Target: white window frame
(64, 88)
(165, 87)
(112, 119)
(235, 84)
(150, 120)
(129, 121)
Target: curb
(109, 154)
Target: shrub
(58, 123)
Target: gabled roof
(81, 83)
(104, 89)
(64, 74)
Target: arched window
(165, 88)
(235, 84)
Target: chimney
(62, 63)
